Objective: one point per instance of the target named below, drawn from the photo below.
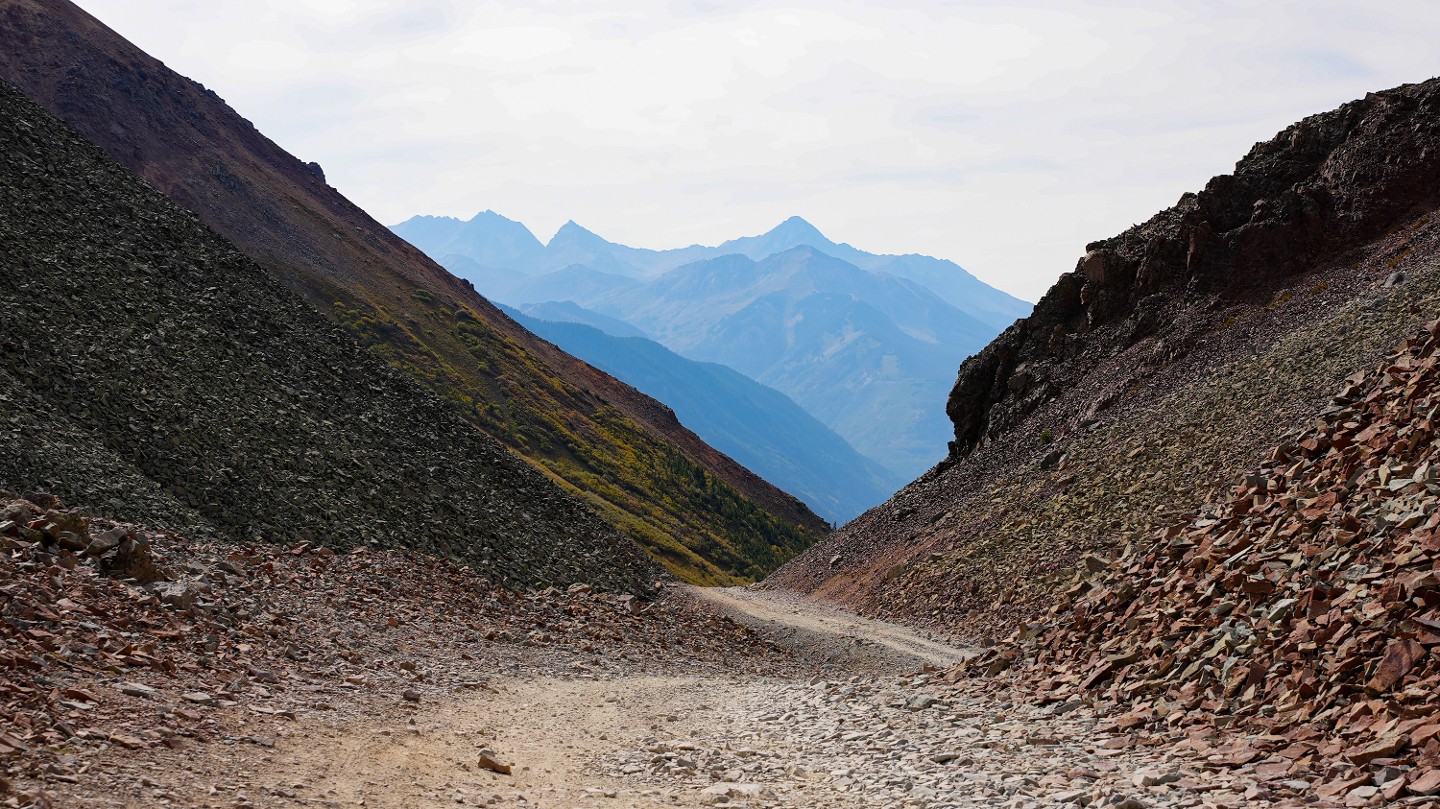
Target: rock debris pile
(916, 741)
(1304, 613)
(116, 639)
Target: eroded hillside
(1301, 608)
(151, 371)
(1170, 361)
(626, 456)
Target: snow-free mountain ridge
(866, 343)
(572, 244)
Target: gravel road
(863, 720)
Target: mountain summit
(793, 232)
(572, 235)
(487, 238)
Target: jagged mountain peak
(573, 232)
(793, 232)
(488, 215)
(798, 229)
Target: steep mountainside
(149, 369)
(1168, 363)
(704, 516)
(1312, 583)
(1323, 186)
(756, 425)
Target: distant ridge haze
(867, 343)
(497, 243)
(756, 425)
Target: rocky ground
(123, 649)
(291, 676)
(1301, 609)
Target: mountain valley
(716, 522)
(758, 426)
(292, 514)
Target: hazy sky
(1003, 135)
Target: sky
(1002, 135)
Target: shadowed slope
(151, 370)
(704, 516)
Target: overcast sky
(1002, 135)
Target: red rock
(1099, 675)
(1400, 657)
(1342, 786)
(1384, 748)
(1424, 782)
(127, 741)
(1424, 733)
(488, 763)
(1237, 758)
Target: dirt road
(571, 742)
(857, 724)
(864, 728)
(823, 628)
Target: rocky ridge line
(1320, 187)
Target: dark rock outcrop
(1155, 381)
(1325, 184)
(150, 370)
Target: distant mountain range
(756, 425)
(866, 343)
(498, 250)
